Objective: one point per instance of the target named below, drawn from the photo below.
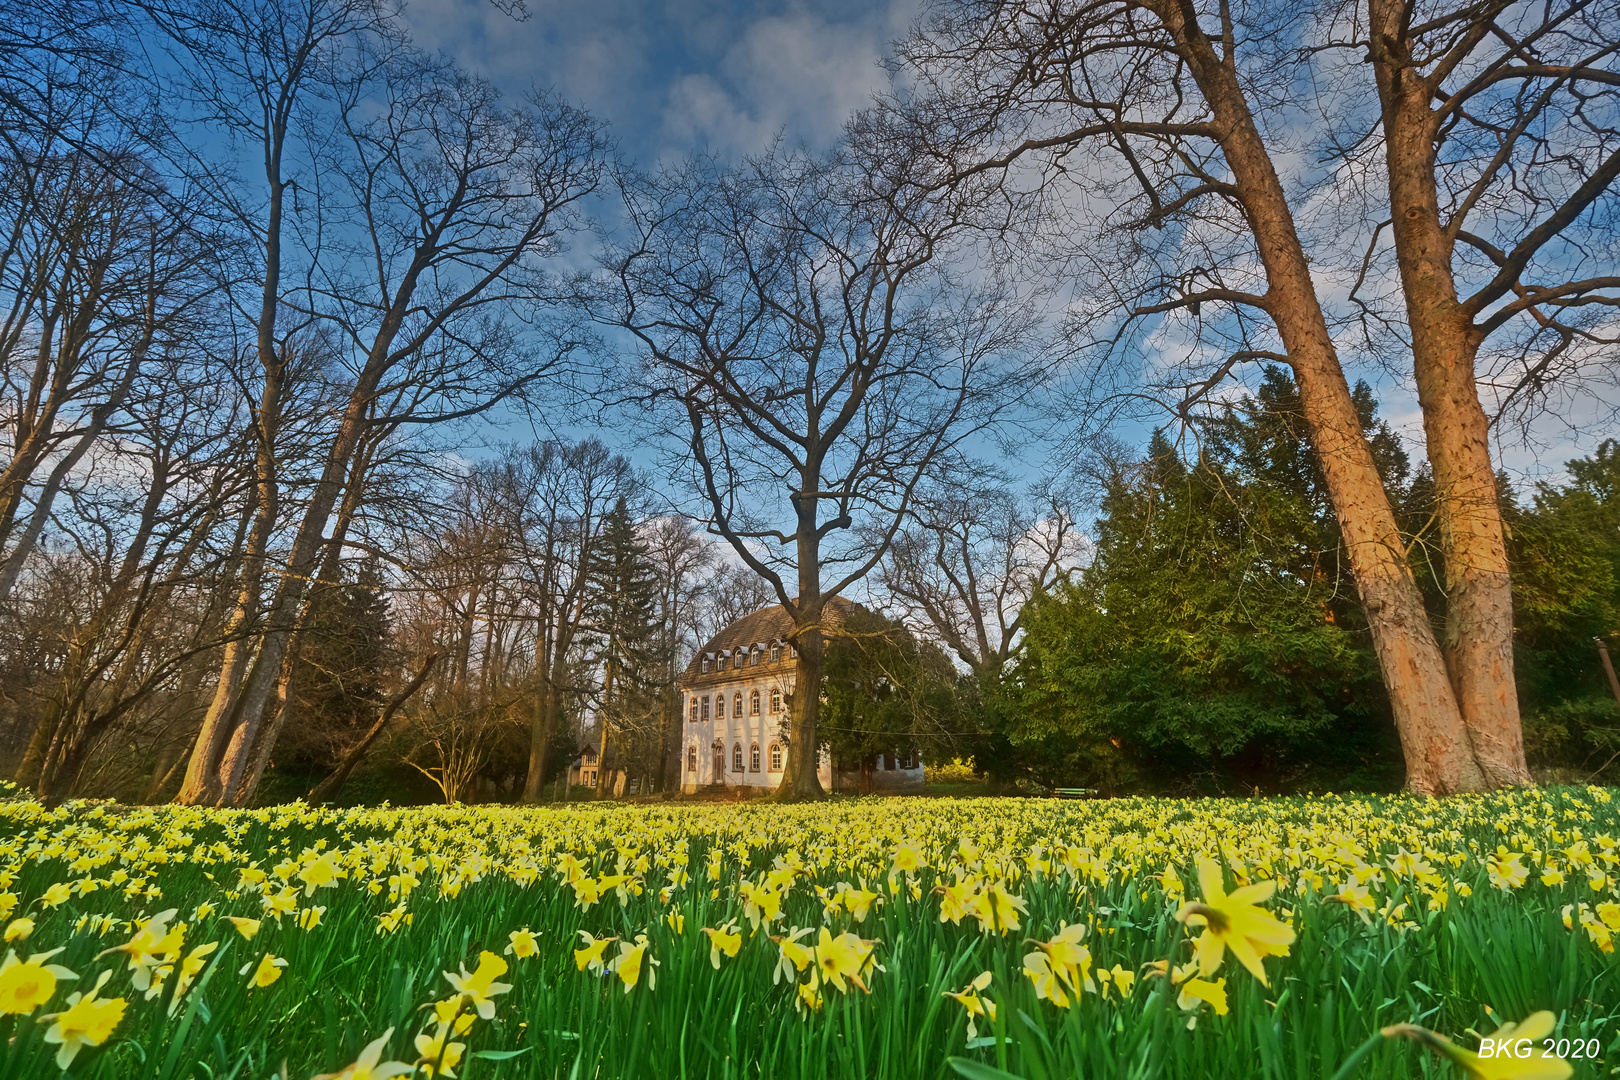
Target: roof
(762, 627)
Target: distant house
(582, 773)
(736, 691)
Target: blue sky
(675, 76)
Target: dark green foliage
(886, 692)
(343, 663)
(1216, 640)
(1566, 548)
(624, 623)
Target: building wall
(764, 731)
(732, 732)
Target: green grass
(1506, 951)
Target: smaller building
(582, 772)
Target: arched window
(694, 710)
(719, 706)
(705, 708)
(753, 658)
(776, 652)
(736, 704)
(776, 699)
(742, 652)
(776, 757)
(753, 758)
(691, 758)
(736, 758)
(704, 666)
(753, 703)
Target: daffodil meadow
(1311, 937)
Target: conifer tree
(625, 592)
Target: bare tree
(1500, 153)
(971, 557)
(809, 357)
(459, 201)
(1142, 113)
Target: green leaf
(978, 1070)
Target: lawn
(1096, 939)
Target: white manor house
(736, 691)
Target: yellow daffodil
(590, 957)
(435, 1056)
(631, 962)
(1235, 922)
(152, 946)
(25, 985)
(726, 940)
(369, 1065)
(838, 959)
(792, 957)
(248, 928)
(976, 1005)
(57, 895)
(87, 1021)
(1512, 1052)
(479, 987)
(266, 971)
(19, 929)
(523, 944)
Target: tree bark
(1435, 742)
(1478, 636)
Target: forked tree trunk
(1433, 738)
(1478, 634)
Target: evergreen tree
(624, 617)
(1217, 634)
(1566, 577)
(344, 661)
(885, 692)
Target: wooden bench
(1071, 793)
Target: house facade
(736, 691)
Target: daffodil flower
(25, 985)
(1235, 922)
(1538, 1063)
(436, 1056)
(87, 1021)
(726, 940)
(369, 1065)
(590, 957)
(631, 962)
(976, 1005)
(523, 944)
(479, 987)
(266, 971)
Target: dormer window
(754, 655)
(704, 667)
(776, 652)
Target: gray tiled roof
(764, 626)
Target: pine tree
(344, 661)
(624, 610)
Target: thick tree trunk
(546, 709)
(800, 779)
(1479, 607)
(1433, 738)
(201, 786)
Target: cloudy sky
(675, 76)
